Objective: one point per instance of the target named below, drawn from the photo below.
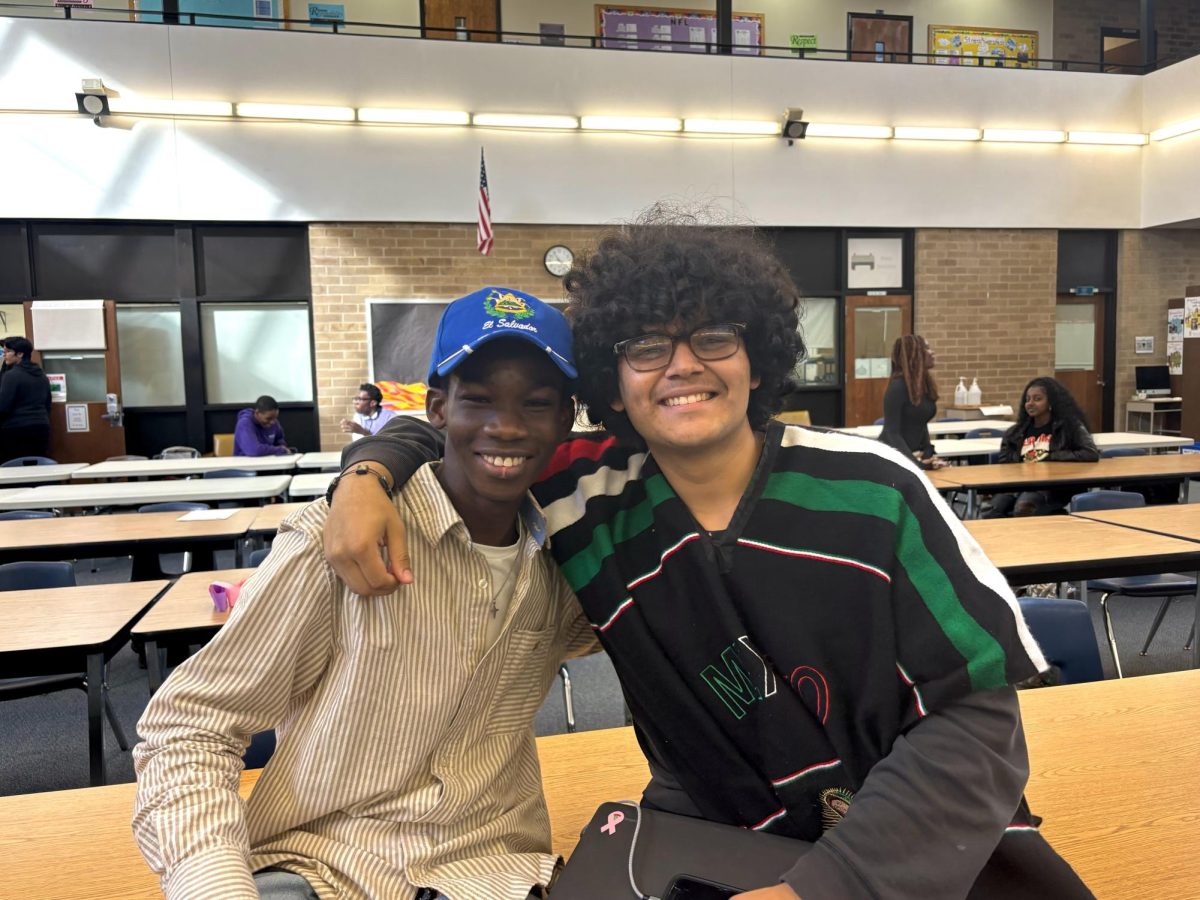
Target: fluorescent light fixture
(731, 126)
(293, 111)
(414, 116)
(510, 120)
(824, 129)
(630, 123)
(921, 133)
(1170, 131)
(148, 107)
(1024, 135)
(1105, 137)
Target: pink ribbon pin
(614, 819)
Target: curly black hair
(1062, 403)
(663, 269)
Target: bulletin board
(957, 45)
(638, 27)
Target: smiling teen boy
(808, 640)
(405, 765)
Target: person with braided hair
(910, 401)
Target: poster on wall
(674, 30)
(58, 386)
(1191, 317)
(1174, 324)
(957, 45)
(874, 262)
(1175, 357)
(399, 344)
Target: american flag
(483, 231)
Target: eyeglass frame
(739, 330)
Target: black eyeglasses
(648, 352)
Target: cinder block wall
(985, 302)
(1152, 267)
(415, 260)
(1077, 26)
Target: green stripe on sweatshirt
(986, 662)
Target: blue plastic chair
(254, 560)
(31, 576)
(230, 473)
(1063, 629)
(173, 506)
(30, 461)
(983, 433)
(13, 514)
(878, 421)
(1167, 586)
(1124, 451)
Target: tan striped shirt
(405, 752)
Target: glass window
(151, 346)
(875, 331)
(86, 374)
(818, 325)
(1075, 336)
(256, 348)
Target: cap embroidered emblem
(502, 304)
(835, 803)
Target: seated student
(258, 432)
(810, 643)
(406, 764)
(1050, 428)
(369, 412)
(910, 401)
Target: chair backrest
(262, 745)
(794, 417)
(25, 514)
(879, 421)
(173, 506)
(179, 453)
(1124, 451)
(951, 419)
(32, 576)
(223, 444)
(30, 461)
(1063, 629)
(257, 556)
(229, 473)
(1093, 501)
(984, 433)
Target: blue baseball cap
(499, 312)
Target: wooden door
(474, 20)
(878, 38)
(104, 437)
(1079, 353)
(872, 326)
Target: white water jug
(960, 394)
(974, 395)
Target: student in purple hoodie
(258, 431)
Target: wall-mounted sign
(802, 41)
(58, 386)
(327, 12)
(61, 3)
(77, 417)
(874, 262)
(1143, 344)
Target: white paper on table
(206, 515)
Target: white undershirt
(504, 562)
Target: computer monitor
(1153, 381)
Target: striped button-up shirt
(405, 753)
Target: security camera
(794, 127)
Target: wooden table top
(1075, 547)
(1114, 469)
(83, 616)
(132, 529)
(10, 475)
(1115, 770)
(187, 604)
(269, 517)
(135, 493)
(1180, 520)
(162, 468)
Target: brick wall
(1077, 26)
(985, 302)
(353, 262)
(1153, 266)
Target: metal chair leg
(1158, 617)
(1191, 637)
(122, 741)
(1108, 631)
(568, 699)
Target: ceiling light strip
(1106, 137)
(1176, 130)
(512, 120)
(1024, 135)
(731, 126)
(296, 112)
(146, 106)
(630, 123)
(825, 129)
(413, 116)
(923, 133)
